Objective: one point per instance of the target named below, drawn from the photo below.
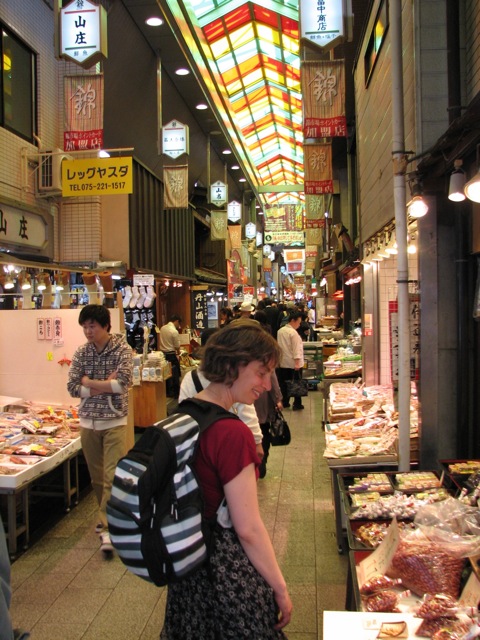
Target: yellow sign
(97, 176)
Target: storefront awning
(213, 277)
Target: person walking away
(273, 313)
(291, 357)
(169, 342)
(241, 592)
(100, 375)
(266, 406)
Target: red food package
(377, 583)
(424, 567)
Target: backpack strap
(196, 381)
(205, 413)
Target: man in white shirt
(169, 343)
(291, 358)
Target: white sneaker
(106, 544)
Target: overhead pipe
(399, 171)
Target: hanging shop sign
(235, 235)
(288, 238)
(318, 169)
(83, 33)
(323, 22)
(200, 310)
(97, 176)
(323, 91)
(23, 228)
(284, 217)
(218, 193)
(175, 139)
(250, 230)
(83, 108)
(234, 211)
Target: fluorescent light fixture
(226, 152)
(201, 106)
(234, 167)
(182, 71)
(154, 21)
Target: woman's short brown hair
(236, 345)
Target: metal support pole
(399, 170)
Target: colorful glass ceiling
(252, 54)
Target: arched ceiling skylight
(247, 56)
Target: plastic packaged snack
(437, 606)
(378, 583)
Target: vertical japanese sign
(83, 33)
(218, 225)
(83, 112)
(318, 168)
(200, 310)
(175, 139)
(414, 302)
(323, 90)
(218, 193)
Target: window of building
(376, 39)
(17, 84)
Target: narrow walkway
(63, 588)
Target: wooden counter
(149, 403)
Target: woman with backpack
(240, 592)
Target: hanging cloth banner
(323, 90)
(83, 112)
(218, 225)
(314, 236)
(318, 168)
(175, 179)
(314, 208)
(235, 234)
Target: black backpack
(155, 512)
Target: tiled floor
(65, 590)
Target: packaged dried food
(378, 583)
(424, 567)
(386, 601)
(437, 606)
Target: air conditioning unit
(49, 173)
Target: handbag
(297, 387)
(279, 431)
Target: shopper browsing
(100, 375)
(242, 592)
(291, 359)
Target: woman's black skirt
(227, 599)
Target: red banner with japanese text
(83, 112)
(323, 91)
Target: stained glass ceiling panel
(252, 51)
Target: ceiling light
(226, 152)
(457, 183)
(472, 188)
(201, 106)
(9, 284)
(242, 179)
(182, 71)
(154, 21)
(234, 167)
(103, 154)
